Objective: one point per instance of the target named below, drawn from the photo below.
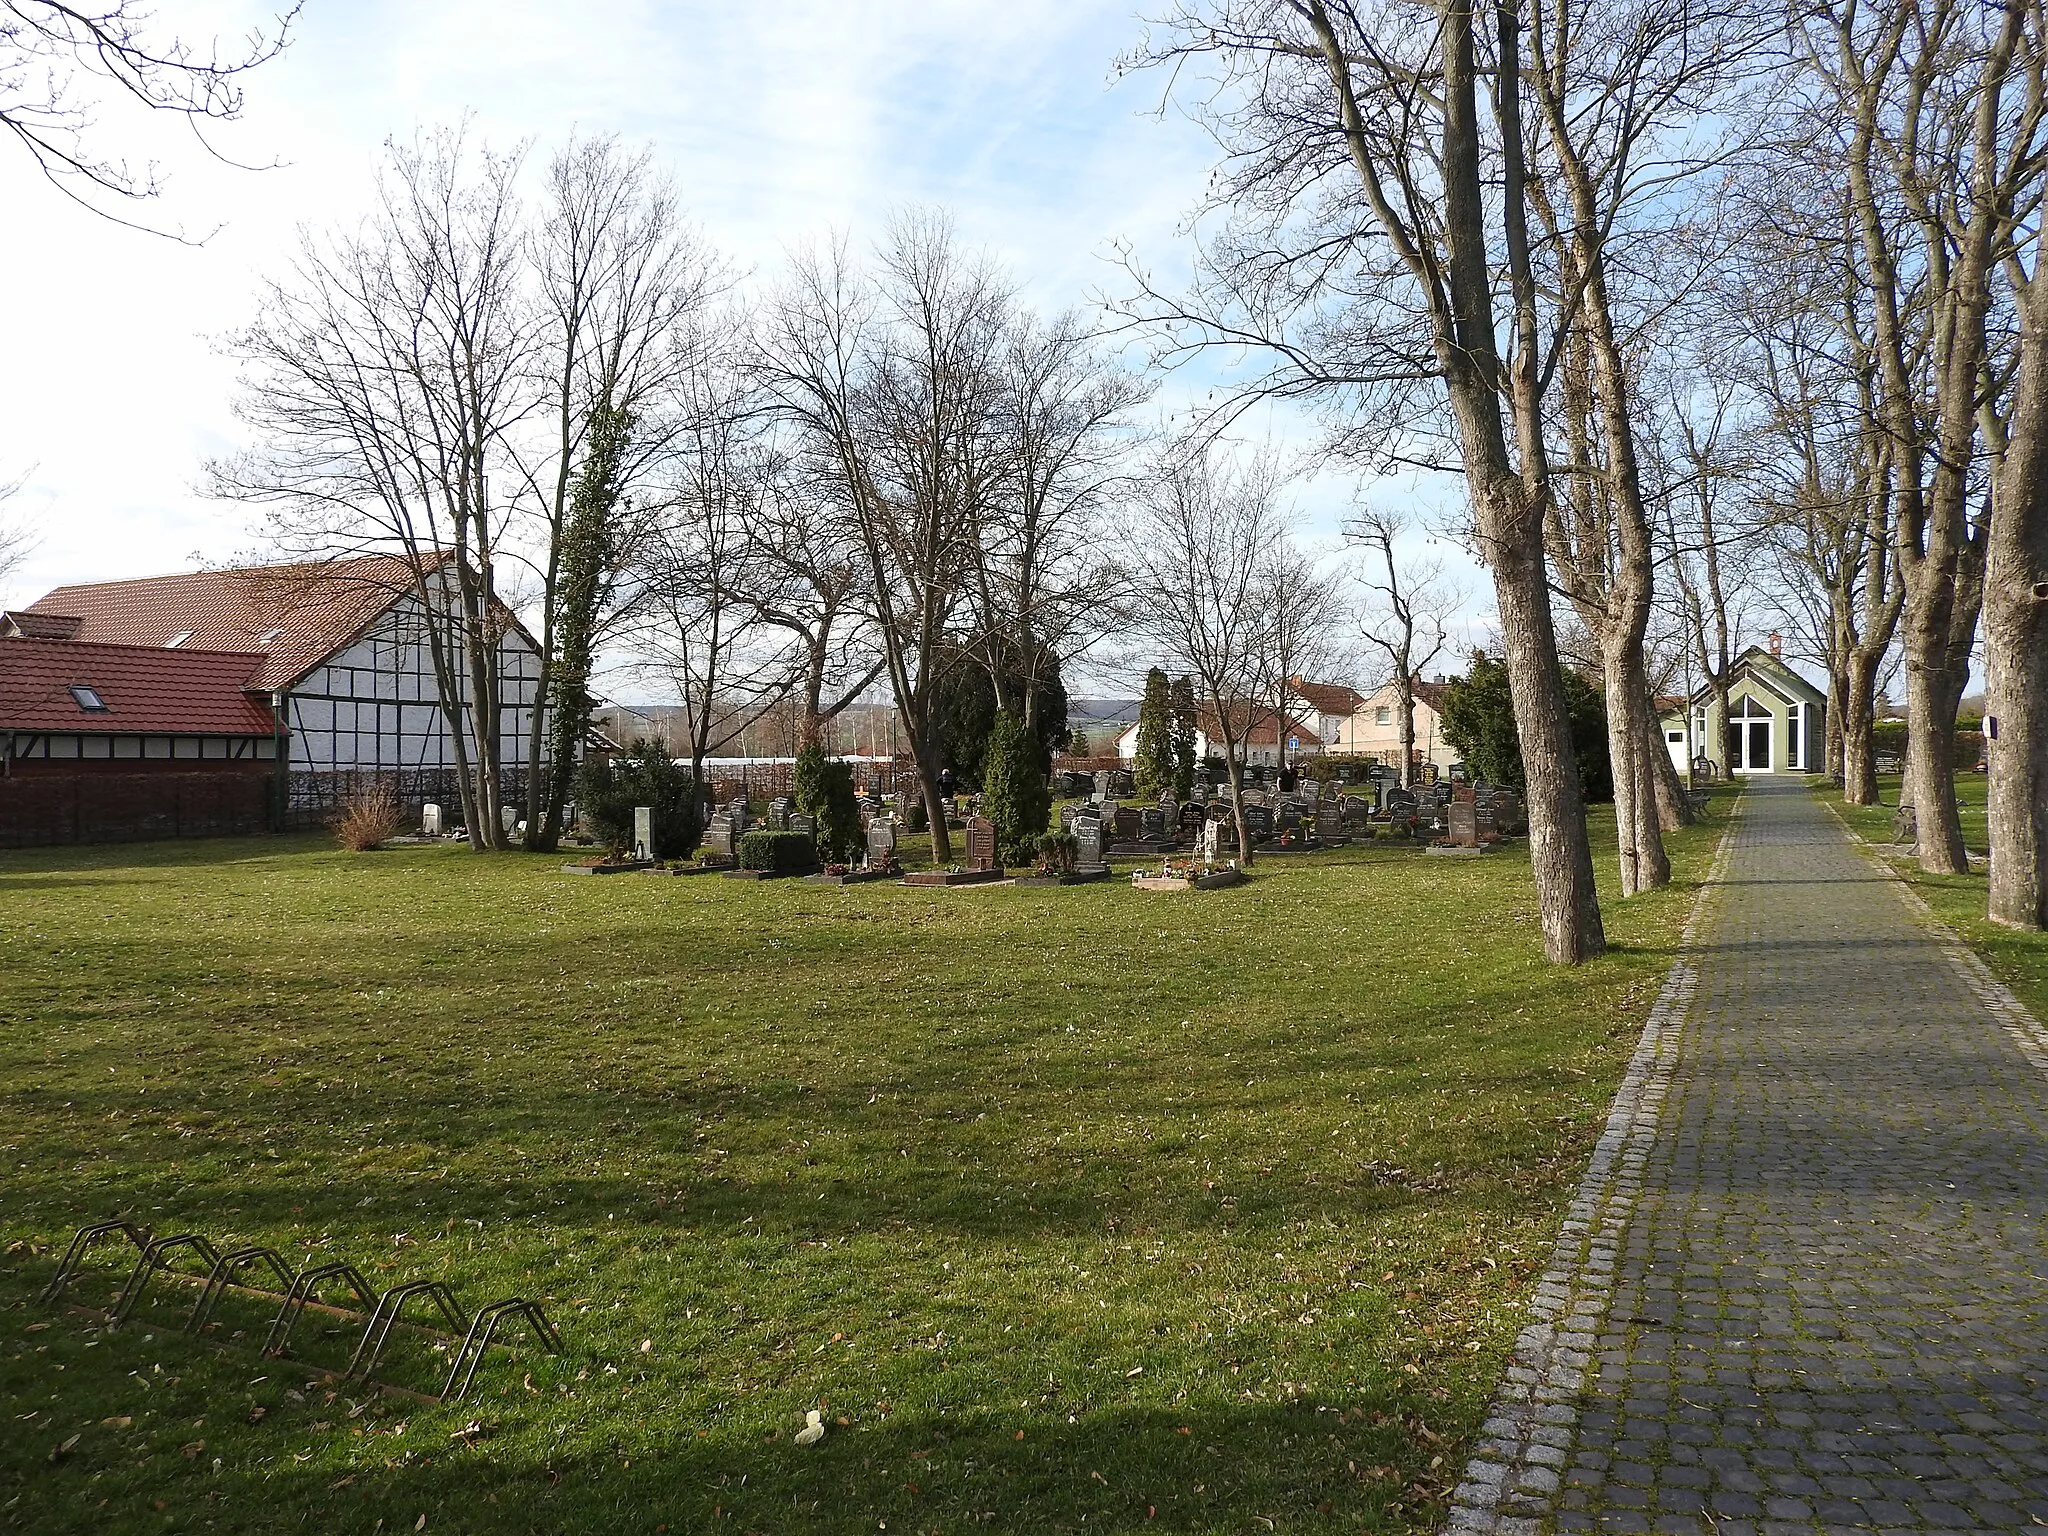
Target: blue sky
(777, 123)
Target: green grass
(1075, 1210)
(2019, 959)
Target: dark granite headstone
(1088, 842)
(1507, 811)
(780, 809)
(804, 822)
(981, 845)
(1329, 820)
(1128, 824)
(1258, 821)
(1402, 803)
(1102, 789)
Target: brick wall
(122, 801)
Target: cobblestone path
(1818, 1299)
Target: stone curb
(1511, 1482)
(2013, 1016)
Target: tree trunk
(1674, 796)
(1405, 702)
(1644, 864)
(1233, 775)
(2016, 640)
(1859, 715)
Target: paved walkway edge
(1511, 1482)
(2013, 1016)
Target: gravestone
(1463, 828)
(804, 822)
(1169, 810)
(721, 840)
(1507, 811)
(1218, 838)
(1088, 843)
(736, 813)
(1402, 803)
(1354, 811)
(1906, 825)
(1152, 823)
(1309, 790)
(881, 842)
(430, 820)
(981, 846)
(1258, 821)
(508, 817)
(780, 809)
(643, 832)
(1484, 823)
(1102, 789)
(1127, 824)
(1329, 821)
(1192, 816)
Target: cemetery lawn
(2019, 959)
(1073, 1210)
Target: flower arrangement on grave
(1058, 853)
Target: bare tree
(806, 587)
(1441, 287)
(1302, 616)
(382, 380)
(890, 385)
(1935, 120)
(1204, 530)
(56, 59)
(1043, 576)
(693, 569)
(619, 280)
(1406, 616)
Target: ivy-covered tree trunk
(586, 565)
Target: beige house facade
(1374, 728)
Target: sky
(778, 124)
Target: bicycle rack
(152, 1260)
(222, 1277)
(224, 1270)
(387, 1313)
(74, 1256)
(488, 1318)
(301, 1292)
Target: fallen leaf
(122, 1422)
(63, 1450)
(189, 1451)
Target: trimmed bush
(608, 790)
(789, 853)
(824, 788)
(1016, 792)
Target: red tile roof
(293, 616)
(146, 689)
(40, 626)
(1326, 698)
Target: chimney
(1777, 646)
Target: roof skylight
(178, 639)
(87, 698)
(269, 635)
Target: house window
(1383, 715)
(87, 698)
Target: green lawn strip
(2019, 959)
(1074, 1209)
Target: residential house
(1373, 729)
(1327, 709)
(1257, 727)
(340, 655)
